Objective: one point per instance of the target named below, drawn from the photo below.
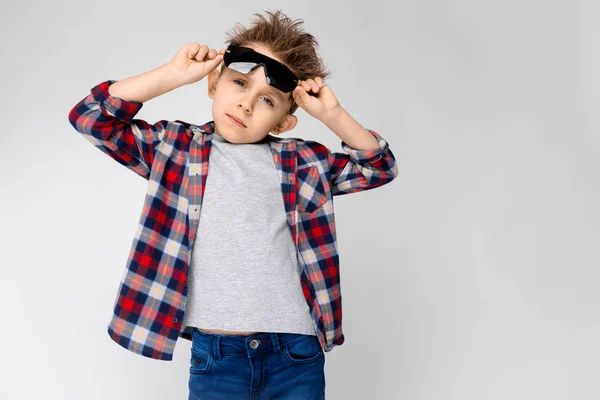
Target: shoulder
(311, 152)
(190, 128)
(189, 131)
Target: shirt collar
(209, 129)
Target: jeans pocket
(201, 361)
(304, 350)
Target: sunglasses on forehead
(245, 60)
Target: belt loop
(217, 346)
(275, 342)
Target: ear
(213, 79)
(286, 124)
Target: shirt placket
(194, 187)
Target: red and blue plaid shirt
(173, 157)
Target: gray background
(473, 275)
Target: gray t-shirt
(244, 273)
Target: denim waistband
(250, 345)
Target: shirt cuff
(114, 106)
(369, 155)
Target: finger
(313, 85)
(192, 49)
(202, 52)
(319, 81)
(211, 54)
(305, 85)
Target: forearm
(349, 130)
(147, 85)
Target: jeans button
(254, 343)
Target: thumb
(300, 95)
(214, 63)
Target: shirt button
(175, 319)
(254, 343)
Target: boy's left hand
(321, 104)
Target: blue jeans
(258, 367)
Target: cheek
(218, 101)
(215, 105)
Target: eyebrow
(276, 92)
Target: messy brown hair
(285, 37)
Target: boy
(243, 260)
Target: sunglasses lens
(242, 67)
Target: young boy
(243, 260)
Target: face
(248, 98)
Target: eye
(241, 83)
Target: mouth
(236, 121)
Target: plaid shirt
(173, 157)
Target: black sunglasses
(245, 60)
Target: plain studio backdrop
(473, 275)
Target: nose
(245, 104)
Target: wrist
(334, 115)
(172, 76)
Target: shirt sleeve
(356, 170)
(108, 123)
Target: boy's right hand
(195, 61)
